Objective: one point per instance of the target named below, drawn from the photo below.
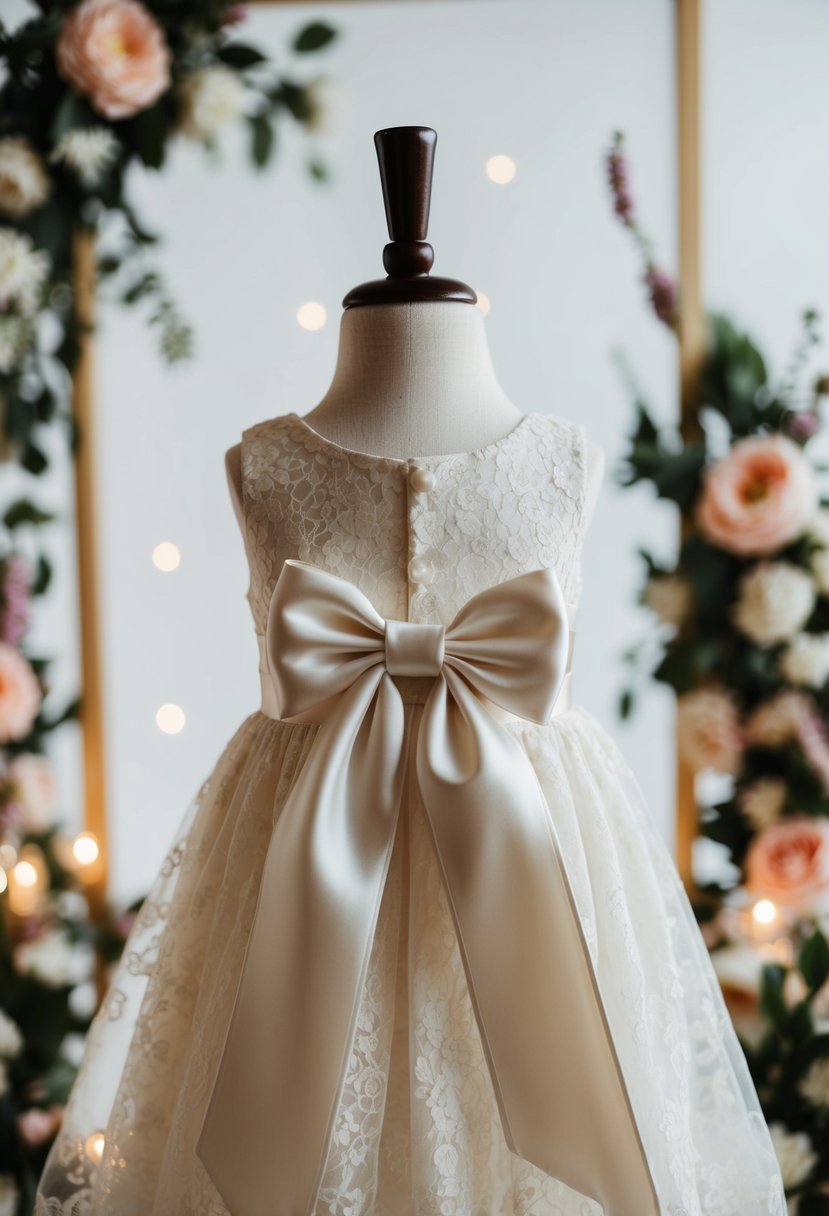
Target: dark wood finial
(406, 156)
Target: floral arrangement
(89, 91)
(741, 635)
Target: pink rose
(35, 1126)
(114, 51)
(758, 497)
(788, 863)
(20, 694)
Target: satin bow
(557, 1081)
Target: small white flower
(11, 1040)
(820, 569)
(795, 1154)
(9, 1195)
(818, 526)
(327, 102)
(669, 596)
(775, 599)
(815, 1084)
(210, 98)
(88, 151)
(23, 270)
(24, 183)
(806, 660)
(50, 958)
(35, 789)
(16, 336)
(763, 800)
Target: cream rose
(669, 596)
(24, 183)
(806, 660)
(759, 497)
(774, 601)
(114, 51)
(35, 789)
(20, 694)
(795, 1154)
(763, 800)
(788, 863)
(210, 99)
(709, 735)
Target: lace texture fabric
(417, 1131)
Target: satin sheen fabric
(561, 1095)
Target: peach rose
(789, 863)
(20, 694)
(709, 732)
(114, 51)
(758, 497)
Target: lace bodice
(419, 537)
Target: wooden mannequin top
(414, 380)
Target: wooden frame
(92, 717)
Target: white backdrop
(546, 83)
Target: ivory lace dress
(419, 1123)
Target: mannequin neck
(413, 379)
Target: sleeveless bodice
(420, 536)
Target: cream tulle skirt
(418, 1131)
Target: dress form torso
(414, 380)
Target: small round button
(421, 480)
(420, 570)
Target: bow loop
(510, 642)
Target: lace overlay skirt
(417, 1132)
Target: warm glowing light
(764, 911)
(4, 882)
(170, 718)
(311, 315)
(500, 169)
(482, 303)
(25, 874)
(94, 1146)
(85, 848)
(166, 556)
(27, 881)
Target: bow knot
(555, 1074)
(414, 649)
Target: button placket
(420, 482)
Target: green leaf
(262, 139)
(813, 960)
(43, 575)
(771, 993)
(318, 170)
(314, 36)
(239, 55)
(678, 477)
(72, 112)
(33, 459)
(813, 1205)
(24, 511)
(626, 702)
(150, 128)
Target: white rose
(763, 800)
(775, 599)
(24, 183)
(50, 958)
(795, 1154)
(709, 735)
(327, 103)
(88, 151)
(806, 660)
(9, 1195)
(819, 563)
(35, 789)
(210, 98)
(11, 1040)
(814, 1086)
(669, 596)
